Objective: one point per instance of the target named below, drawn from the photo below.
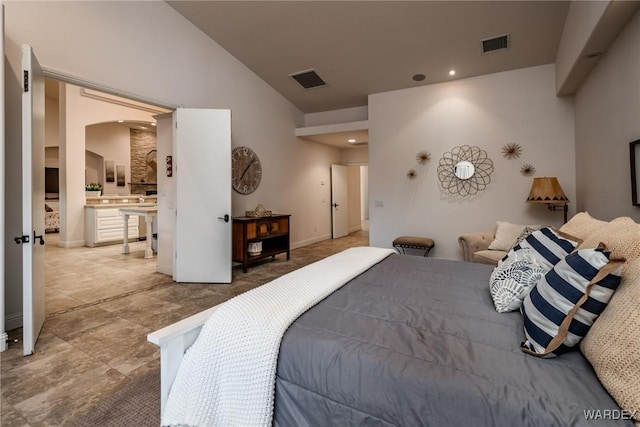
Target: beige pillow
(582, 225)
(612, 345)
(506, 235)
(621, 236)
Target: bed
(414, 341)
(51, 221)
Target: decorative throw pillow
(549, 246)
(581, 225)
(622, 237)
(512, 280)
(506, 234)
(612, 345)
(559, 311)
(525, 233)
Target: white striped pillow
(559, 311)
(549, 246)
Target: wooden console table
(272, 231)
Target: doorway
(90, 136)
(349, 199)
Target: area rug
(136, 403)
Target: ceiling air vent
(308, 79)
(495, 44)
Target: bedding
(230, 369)
(51, 221)
(416, 341)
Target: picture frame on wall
(120, 175)
(109, 171)
(634, 157)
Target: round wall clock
(246, 170)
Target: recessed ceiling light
(452, 72)
(418, 77)
(153, 124)
(121, 121)
(351, 140)
(143, 127)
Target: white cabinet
(106, 225)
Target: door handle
(224, 218)
(37, 237)
(21, 239)
(335, 205)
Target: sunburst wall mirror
(465, 170)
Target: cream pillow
(581, 225)
(621, 236)
(612, 345)
(506, 235)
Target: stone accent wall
(143, 162)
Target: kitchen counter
(120, 205)
(104, 222)
(131, 199)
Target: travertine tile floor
(100, 307)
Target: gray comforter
(416, 342)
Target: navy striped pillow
(549, 246)
(559, 311)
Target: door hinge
(26, 80)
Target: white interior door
(32, 199)
(339, 201)
(202, 162)
(3, 333)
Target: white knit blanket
(227, 377)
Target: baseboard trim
(165, 269)
(13, 321)
(355, 228)
(3, 342)
(71, 244)
(301, 243)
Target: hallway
(100, 307)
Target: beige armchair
(475, 247)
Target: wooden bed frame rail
(173, 341)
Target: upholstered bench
(411, 242)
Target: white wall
(76, 112)
(607, 120)
(345, 115)
(166, 197)
(364, 192)
(112, 141)
(355, 155)
(582, 18)
(354, 198)
(51, 126)
(489, 111)
(163, 57)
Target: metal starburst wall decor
(468, 186)
(511, 151)
(527, 169)
(423, 157)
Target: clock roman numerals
(246, 170)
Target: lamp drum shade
(546, 190)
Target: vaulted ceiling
(364, 47)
